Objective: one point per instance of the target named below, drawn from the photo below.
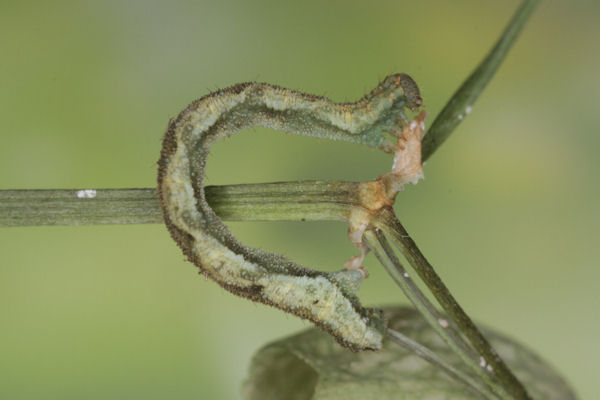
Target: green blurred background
(508, 212)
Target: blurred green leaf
(310, 365)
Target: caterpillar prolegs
(328, 299)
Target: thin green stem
(381, 248)
(79, 207)
(461, 103)
(445, 329)
(295, 201)
(386, 220)
(430, 356)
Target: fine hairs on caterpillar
(328, 299)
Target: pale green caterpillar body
(327, 299)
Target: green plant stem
(379, 245)
(65, 207)
(381, 248)
(433, 358)
(386, 221)
(461, 102)
(295, 201)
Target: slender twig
(461, 103)
(292, 201)
(381, 248)
(430, 356)
(79, 207)
(386, 221)
(385, 254)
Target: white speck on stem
(86, 194)
(468, 110)
(443, 323)
(482, 362)
(460, 117)
(489, 368)
(406, 275)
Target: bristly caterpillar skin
(327, 299)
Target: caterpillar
(328, 299)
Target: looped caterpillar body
(327, 299)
